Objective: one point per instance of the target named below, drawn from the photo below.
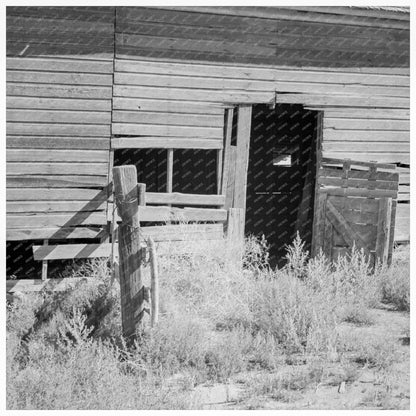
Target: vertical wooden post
(243, 147)
(235, 233)
(45, 264)
(131, 285)
(383, 230)
(154, 284)
(227, 150)
(169, 169)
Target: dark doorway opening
(281, 176)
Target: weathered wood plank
(167, 106)
(386, 157)
(58, 78)
(159, 234)
(38, 285)
(56, 233)
(367, 113)
(154, 142)
(50, 116)
(60, 65)
(48, 181)
(167, 131)
(141, 117)
(343, 100)
(249, 85)
(47, 129)
(43, 168)
(358, 174)
(41, 142)
(355, 136)
(358, 183)
(344, 146)
(58, 91)
(166, 214)
(177, 198)
(37, 155)
(354, 163)
(366, 124)
(56, 220)
(54, 206)
(56, 194)
(288, 14)
(291, 74)
(58, 103)
(370, 193)
(211, 96)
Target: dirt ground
(345, 383)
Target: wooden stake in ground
(154, 282)
(131, 285)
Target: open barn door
(355, 205)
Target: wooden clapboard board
(355, 205)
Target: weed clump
(218, 318)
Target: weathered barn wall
(59, 90)
(353, 68)
(174, 73)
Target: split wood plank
(332, 172)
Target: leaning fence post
(131, 285)
(154, 282)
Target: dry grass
(65, 350)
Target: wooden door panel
(344, 219)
